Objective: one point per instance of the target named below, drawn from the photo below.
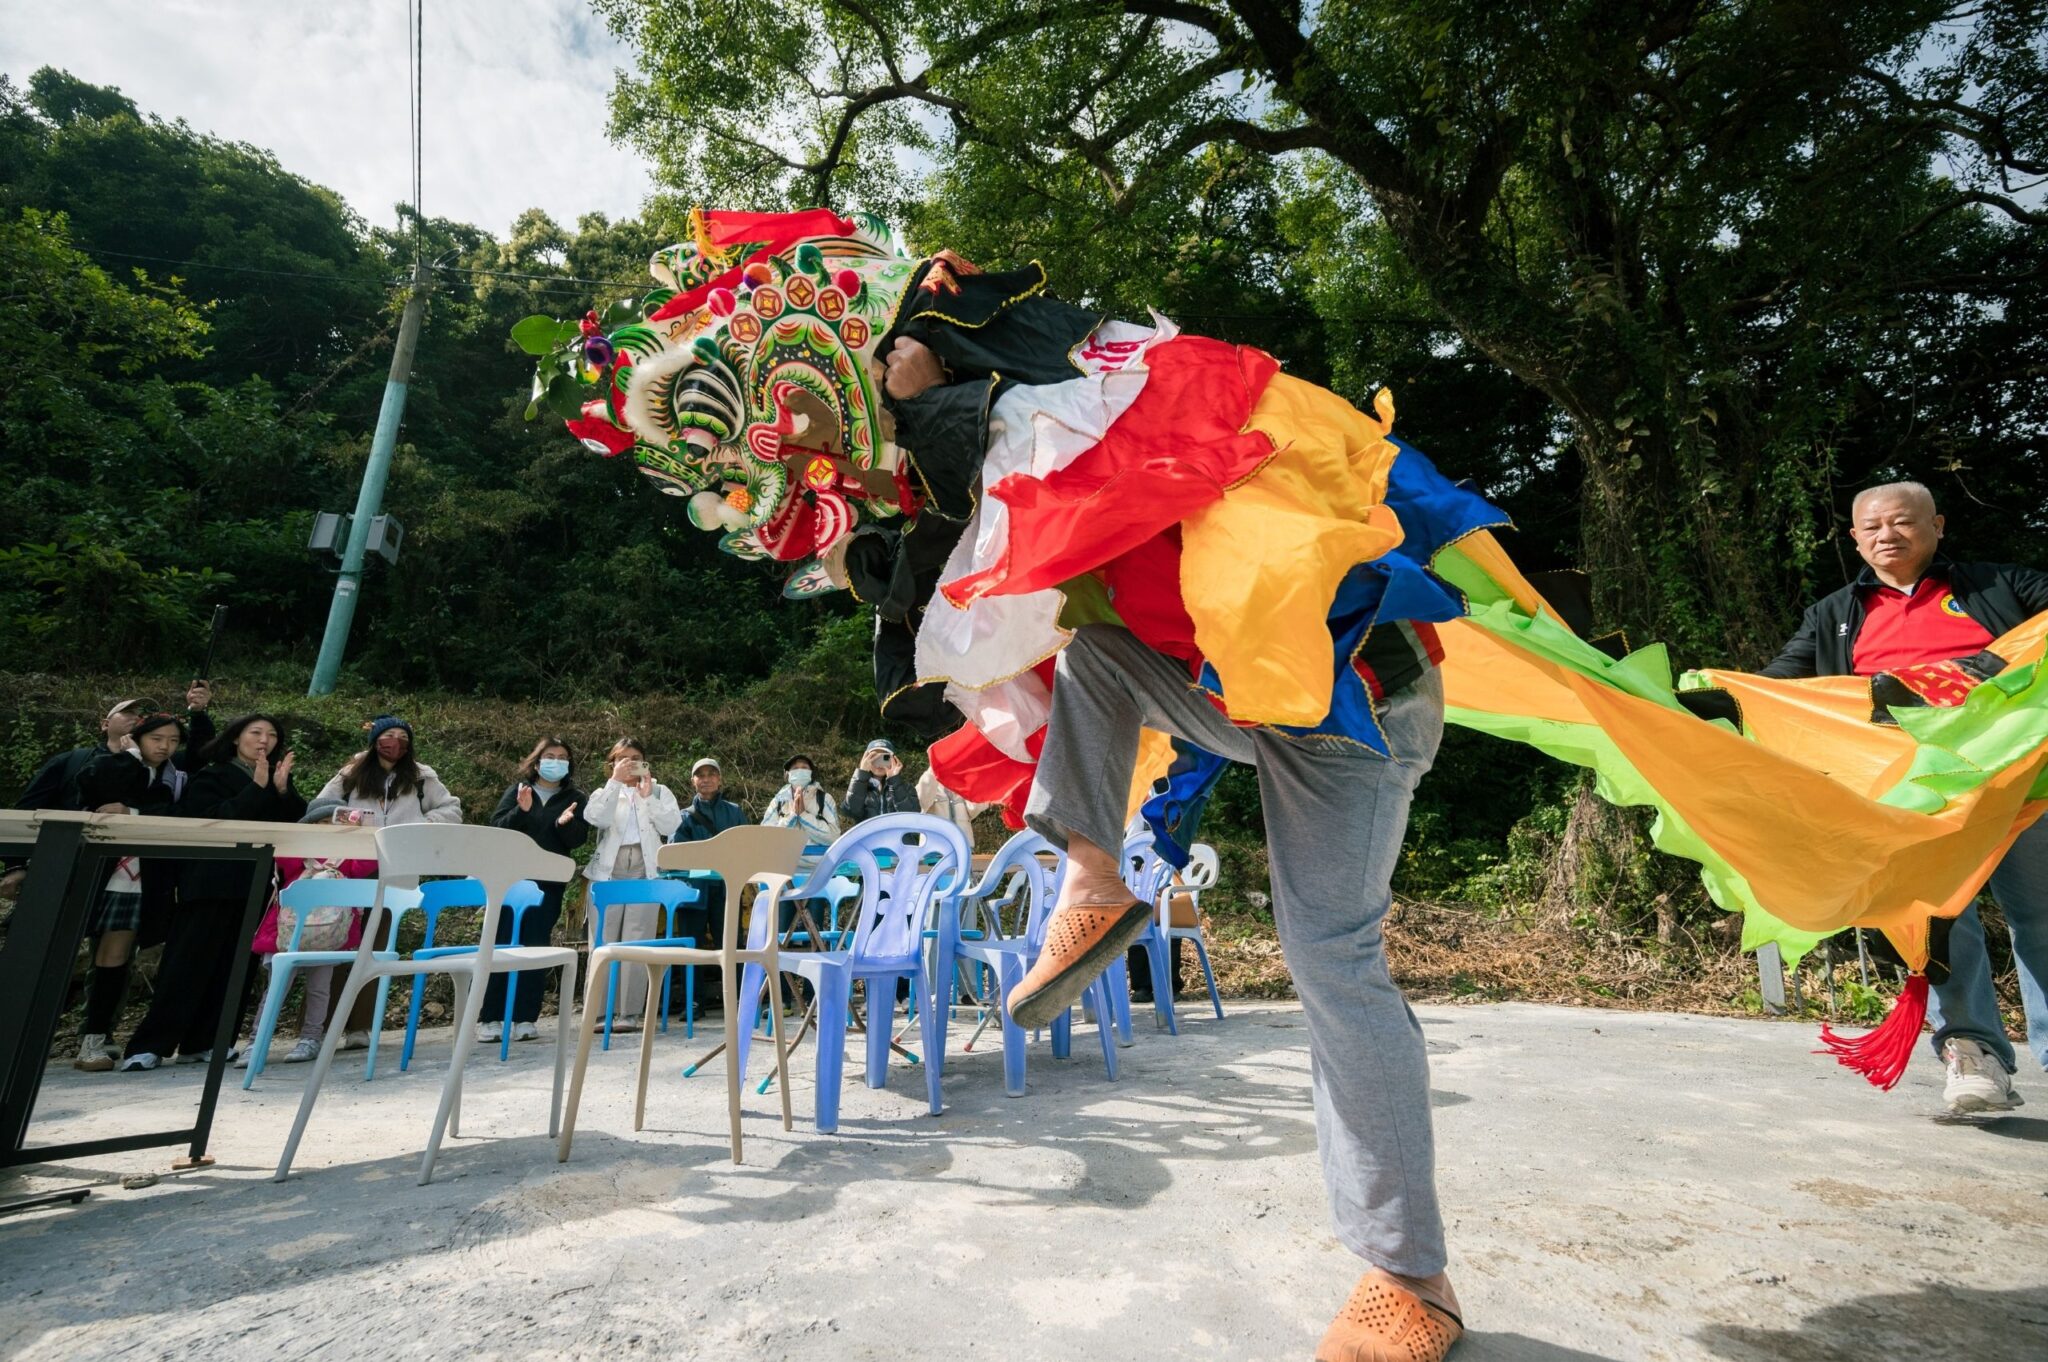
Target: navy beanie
(384, 723)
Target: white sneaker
(303, 1051)
(355, 1040)
(138, 1063)
(491, 1032)
(243, 1055)
(203, 1057)
(1977, 1083)
(525, 1031)
(93, 1055)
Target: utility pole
(349, 585)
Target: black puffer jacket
(1999, 596)
(226, 790)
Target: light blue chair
(1148, 877)
(670, 895)
(435, 899)
(910, 867)
(1024, 856)
(302, 896)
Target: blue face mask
(553, 770)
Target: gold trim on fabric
(1001, 307)
(1067, 636)
(1075, 349)
(890, 699)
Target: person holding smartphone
(879, 785)
(632, 812)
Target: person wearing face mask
(135, 774)
(543, 802)
(247, 778)
(802, 804)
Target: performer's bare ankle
(1435, 1290)
(1093, 878)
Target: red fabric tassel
(1882, 1055)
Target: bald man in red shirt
(1911, 606)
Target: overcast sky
(515, 93)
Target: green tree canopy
(1748, 255)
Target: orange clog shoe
(1386, 1322)
(1080, 942)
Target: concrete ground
(1619, 1185)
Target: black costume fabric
(997, 330)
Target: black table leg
(231, 1004)
(44, 932)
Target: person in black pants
(247, 777)
(543, 802)
(136, 773)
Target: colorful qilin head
(745, 380)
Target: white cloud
(515, 93)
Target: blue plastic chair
(435, 898)
(1009, 957)
(909, 866)
(302, 896)
(672, 895)
(1148, 877)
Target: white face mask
(799, 778)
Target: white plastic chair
(738, 856)
(1201, 872)
(497, 858)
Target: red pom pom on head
(848, 282)
(721, 302)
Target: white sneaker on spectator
(203, 1057)
(525, 1031)
(304, 1050)
(355, 1040)
(1977, 1083)
(93, 1055)
(243, 1054)
(492, 1032)
(140, 1062)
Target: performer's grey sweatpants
(1335, 816)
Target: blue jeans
(1967, 1005)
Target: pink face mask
(393, 745)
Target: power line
(232, 269)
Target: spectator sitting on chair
(248, 777)
(542, 802)
(1909, 606)
(879, 785)
(801, 803)
(707, 815)
(384, 786)
(632, 812)
(134, 775)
